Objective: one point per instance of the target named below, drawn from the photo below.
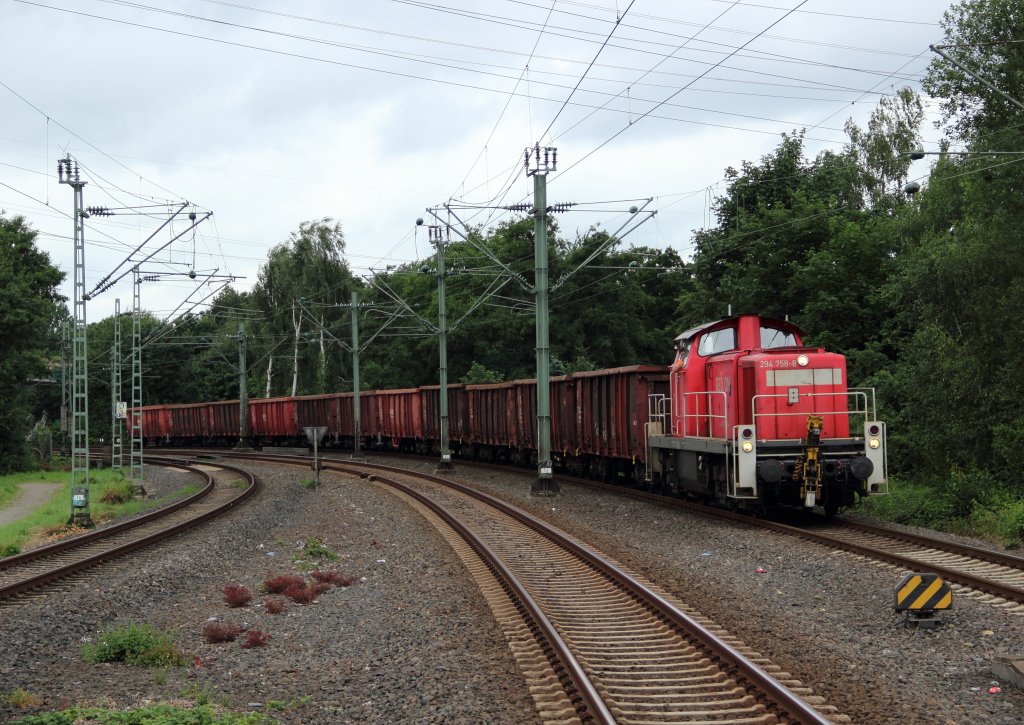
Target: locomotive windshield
(774, 337)
(717, 341)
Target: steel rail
(20, 587)
(766, 688)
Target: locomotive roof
(694, 331)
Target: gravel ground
(416, 643)
(412, 643)
(827, 617)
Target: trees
(305, 275)
(984, 36)
(30, 312)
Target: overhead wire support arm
(613, 238)
(483, 249)
(374, 280)
(102, 211)
(102, 287)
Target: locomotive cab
(755, 419)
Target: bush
(278, 584)
(117, 493)
(273, 605)
(334, 577)
(136, 644)
(218, 632)
(255, 638)
(301, 593)
(236, 595)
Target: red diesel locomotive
(756, 420)
(745, 416)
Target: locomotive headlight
(747, 446)
(802, 360)
(873, 443)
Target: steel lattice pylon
(68, 174)
(116, 427)
(135, 416)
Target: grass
(53, 515)
(21, 699)
(136, 644)
(200, 714)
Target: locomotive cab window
(774, 337)
(717, 341)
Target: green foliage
(117, 493)
(315, 549)
(201, 714)
(30, 314)
(136, 644)
(982, 35)
(479, 375)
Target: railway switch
(921, 596)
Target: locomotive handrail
(707, 417)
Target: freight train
(746, 416)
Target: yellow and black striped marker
(919, 593)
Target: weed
(21, 699)
(217, 632)
(9, 550)
(237, 483)
(160, 678)
(236, 595)
(278, 584)
(334, 577)
(315, 549)
(273, 605)
(136, 644)
(301, 594)
(202, 695)
(309, 483)
(255, 638)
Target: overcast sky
(272, 113)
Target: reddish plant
(273, 605)
(236, 595)
(301, 593)
(255, 638)
(334, 577)
(278, 584)
(215, 632)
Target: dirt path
(30, 497)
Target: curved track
(595, 643)
(998, 576)
(32, 573)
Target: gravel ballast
(411, 641)
(415, 641)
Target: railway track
(595, 643)
(990, 576)
(993, 576)
(34, 573)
